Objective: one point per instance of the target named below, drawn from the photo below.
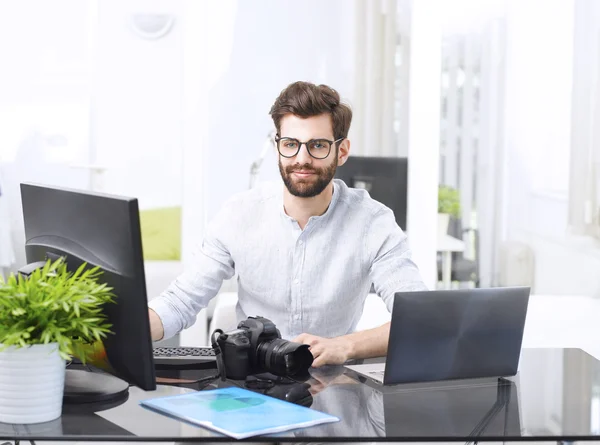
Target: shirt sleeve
(392, 269)
(178, 306)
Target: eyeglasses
(317, 148)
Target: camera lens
(282, 357)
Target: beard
(311, 186)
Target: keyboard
(183, 355)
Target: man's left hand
(327, 351)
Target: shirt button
(297, 316)
(300, 242)
(296, 281)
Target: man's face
(303, 175)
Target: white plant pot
(443, 221)
(32, 381)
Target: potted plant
(448, 205)
(45, 319)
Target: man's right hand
(156, 327)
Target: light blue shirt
(314, 280)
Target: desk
(555, 397)
(447, 244)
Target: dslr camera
(256, 347)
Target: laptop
(452, 334)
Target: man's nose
(303, 157)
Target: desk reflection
(464, 409)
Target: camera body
(256, 347)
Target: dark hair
(305, 99)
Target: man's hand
(327, 351)
(358, 345)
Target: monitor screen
(386, 180)
(100, 230)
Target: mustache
(305, 167)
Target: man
(305, 254)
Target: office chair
(463, 269)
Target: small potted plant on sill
(45, 319)
(448, 205)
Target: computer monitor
(386, 180)
(100, 230)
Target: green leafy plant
(448, 201)
(53, 305)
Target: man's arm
(177, 307)
(392, 268)
(338, 350)
(156, 327)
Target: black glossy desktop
(555, 397)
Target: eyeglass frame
(300, 144)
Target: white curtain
(376, 81)
(584, 186)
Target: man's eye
(290, 145)
(318, 145)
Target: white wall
(539, 58)
(138, 96)
(44, 98)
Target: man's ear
(343, 152)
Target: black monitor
(100, 230)
(386, 180)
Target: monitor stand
(93, 387)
